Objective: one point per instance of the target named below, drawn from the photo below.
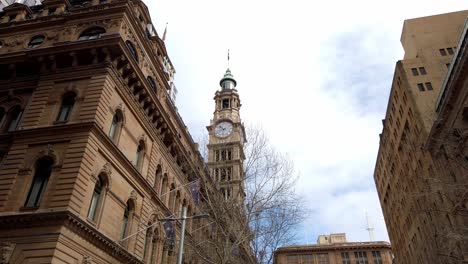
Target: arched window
(140, 154)
(155, 246)
(39, 184)
(14, 117)
(126, 220)
(152, 83)
(92, 33)
(116, 126)
(66, 108)
(132, 49)
(157, 178)
(148, 245)
(96, 199)
(36, 41)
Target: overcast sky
(315, 74)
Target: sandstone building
(421, 188)
(93, 152)
(334, 249)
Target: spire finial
(228, 59)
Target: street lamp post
(182, 236)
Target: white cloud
(315, 74)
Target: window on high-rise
(422, 70)
(421, 87)
(443, 52)
(414, 71)
(429, 86)
(377, 257)
(450, 51)
(345, 258)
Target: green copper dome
(228, 82)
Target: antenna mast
(369, 228)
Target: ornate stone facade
(92, 149)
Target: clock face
(223, 129)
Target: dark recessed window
(450, 51)
(116, 126)
(132, 49)
(422, 70)
(448, 65)
(152, 83)
(52, 10)
(67, 106)
(92, 33)
(39, 184)
(429, 86)
(1, 44)
(225, 103)
(36, 41)
(13, 118)
(421, 87)
(443, 52)
(414, 71)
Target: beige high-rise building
(418, 195)
(93, 152)
(335, 249)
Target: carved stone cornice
(73, 222)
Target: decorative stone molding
(49, 151)
(6, 250)
(87, 260)
(133, 196)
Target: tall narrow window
(157, 178)
(39, 184)
(132, 49)
(361, 257)
(125, 221)
(92, 33)
(140, 153)
(116, 126)
(67, 106)
(443, 52)
(95, 199)
(148, 242)
(422, 70)
(414, 71)
(345, 258)
(377, 257)
(13, 118)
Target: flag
(195, 189)
(164, 34)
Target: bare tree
(250, 232)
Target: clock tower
(226, 141)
